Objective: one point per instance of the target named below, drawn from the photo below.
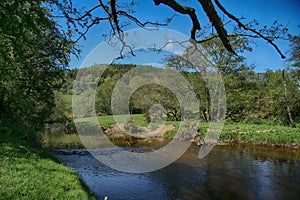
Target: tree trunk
(204, 115)
(208, 114)
(287, 102)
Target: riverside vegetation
(28, 172)
(36, 88)
(33, 55)
(256, 106)
(232, 133)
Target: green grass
(245, 133)
(108, 120)
(171, 133)
(272, 135)
(28, 172)
(261, 134)
(232, 133)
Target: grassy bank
(252, 134)
(27, 172)
(265, 135)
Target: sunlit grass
(261, 134)
(31, 173)
(231, 133)
(250, 134)
(108, 120)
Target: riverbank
(28, 172)
(232, 133)
(260, 135)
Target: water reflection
(226, 173)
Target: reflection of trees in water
(227, 173)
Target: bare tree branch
(87, 13)
(240, 24)
(143, 24)
(229, 36)
(112, 12)
(217, 23)
(96, 21)
(183, 10)
(114, 15)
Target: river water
(228, 172)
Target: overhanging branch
(240, 24)
(217, 23)
(183, 10)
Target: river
(228, 172)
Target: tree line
(252, 97)
(36, 44)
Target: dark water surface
(228, 172)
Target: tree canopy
(33, 53)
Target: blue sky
(265, 11)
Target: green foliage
(258, 98)
(33, 53)
(106, 84)
(70, 127)
(147, 96)
(255, 98)
(62, 108)
(294, 59)
(294, 51)
(30, 173)
(172, 133)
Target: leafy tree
(33, 53)
(242, 94)
(275, 93)
(103, 96)
(214, 52)
(251, 97)
(294, 58)
(149, 95)
(106, 85)
(295, 51)
(201, 91)
(202, 58)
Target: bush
(70, 127)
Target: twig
(240, 24)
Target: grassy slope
(30, 173)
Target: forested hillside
(252, 97)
